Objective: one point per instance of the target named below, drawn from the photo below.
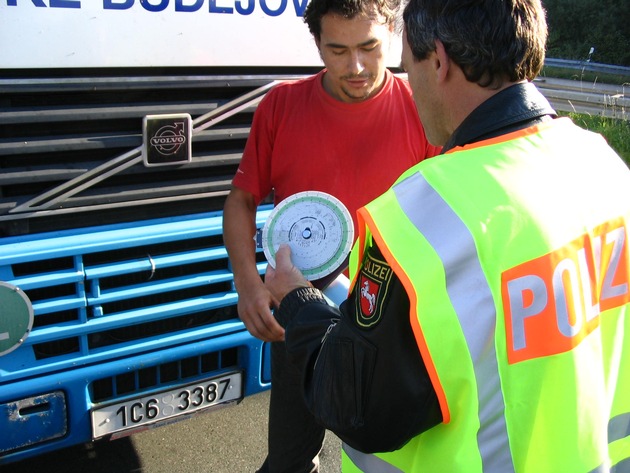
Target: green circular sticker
(16, 317)
(317, 227)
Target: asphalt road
(229, 440)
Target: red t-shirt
(303, 139)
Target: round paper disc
(317, 227)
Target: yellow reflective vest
(514, 255)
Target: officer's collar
(514, 108)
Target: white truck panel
(150, 33)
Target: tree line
(576, 26)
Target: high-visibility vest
(514, 254)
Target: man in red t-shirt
(350, 131)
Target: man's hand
(254, 300)
(254, 304)
(285, 277)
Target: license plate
(163, 406)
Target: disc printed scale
(316, 226)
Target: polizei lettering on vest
(553, 302)
(376, 270)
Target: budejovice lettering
(241, 7)
(553, 302)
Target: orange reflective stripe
(413, 316)
(359, 247)
(510, 136)
(553, 302)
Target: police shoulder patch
(373, 286)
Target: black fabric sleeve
(368, 385)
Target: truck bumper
(50, 412)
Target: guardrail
(588, 66)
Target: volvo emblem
(167, 139)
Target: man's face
(354, 53)
(425, 94)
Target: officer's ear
(441, 61)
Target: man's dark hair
(316, 9)
(491, 40)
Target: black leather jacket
(364, 378)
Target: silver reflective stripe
(369, 463)
(472, 299)
(619, 427)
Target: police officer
(488, 325)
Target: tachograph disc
(317, 227)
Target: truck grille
(66, 136)
(104, 292)
(119, 259)
(114, 387)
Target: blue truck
(122, 123)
